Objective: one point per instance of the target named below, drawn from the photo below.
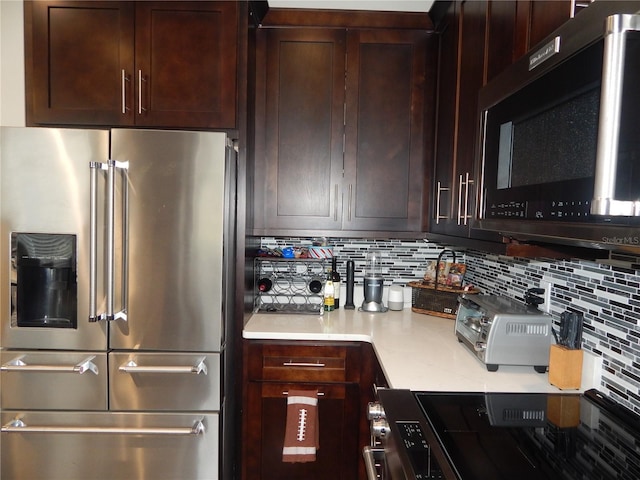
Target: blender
(373, 284)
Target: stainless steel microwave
(559, 150)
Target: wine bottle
(315, 285)
(265, 284)
(336, 282)
(329, 299)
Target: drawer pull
(18, 365)
(320, 394)
(303, 364)
(132, 367)
(19, 426)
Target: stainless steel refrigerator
(113, 247)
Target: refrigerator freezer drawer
(114, 446)
(164, 381)
(53, 380)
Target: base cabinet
(272, 370)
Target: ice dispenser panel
(43, 280)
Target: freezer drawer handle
(17, 425)
(18, 365)
(132, 367)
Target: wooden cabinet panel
(76, 56)
(338, 413)
(121, 63)
(384, 151)
(333, 151)
(298, 176)
(274, 368)
(185, 64)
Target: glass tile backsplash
(607, 294)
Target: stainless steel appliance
(112, 322)
(495, 436)
(373, 284)
(502, 331)
(559, 144)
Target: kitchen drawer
(53, 380)
(303, 362)
(164, 381)
(114, 446)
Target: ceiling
(375, 5)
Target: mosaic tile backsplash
(607, 295)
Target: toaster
(502, 331)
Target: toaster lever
(480, 346)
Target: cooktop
(534, 436)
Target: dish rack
(290, 279)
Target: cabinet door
(384, 177)
(338, 413)
(447, 107)
(78, 57)
(185, 74)
(299, 156)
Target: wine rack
(289, 280)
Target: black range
(493, 436)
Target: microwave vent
(532, 329)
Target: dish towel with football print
(301, 431)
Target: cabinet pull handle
(463, 213)
(19, 365)
(350, 199)
(125, 79)
(140, 80)
(439, 191)
(467, 215)
(460, 184)
(320, 394)
(303, 364)
(335, 200)
(18, 425)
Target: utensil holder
(565, 367)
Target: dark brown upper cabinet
(478, 39)
(122, 63)
(340, 131)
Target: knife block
(565, 367)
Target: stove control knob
(379, 428)
(375, 410)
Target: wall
(607, 295)
(12, 94)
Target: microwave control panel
(558, 210)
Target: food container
(435, 298)
(320, 252)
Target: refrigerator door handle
(93, 239)
(19, 426)
(132, 367)
(19, 365)
(110, 167)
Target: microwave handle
(604, 201)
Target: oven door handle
(19, 426)
(369, 461)
(19, 365)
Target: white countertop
(416, 351)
